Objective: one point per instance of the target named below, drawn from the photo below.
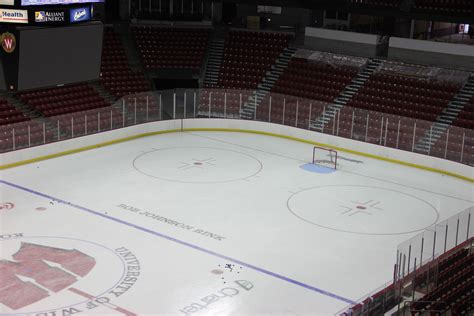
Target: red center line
(112, 306)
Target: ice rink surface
(208, 223)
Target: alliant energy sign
(13, 16)
(57, 16)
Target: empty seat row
(171, 48)
(116, 75)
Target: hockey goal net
(325, 157)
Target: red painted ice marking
(81, 293)
(6, 206)
(124, 311)
(91, 297)
(71, 260)
(30, 263)
(14, 293)
(52, 279)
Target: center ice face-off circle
(197, 165)
(362, 210)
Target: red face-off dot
(361, 207)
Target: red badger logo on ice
(38, 270)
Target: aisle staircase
(346, 95)
(214, 61)
(104, 93)
(130, 47)
(447, 117)
(249, 108)
(20, 106)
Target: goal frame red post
(330, 156)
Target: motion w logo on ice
(39, 271)
(6, 206)
(8, 41)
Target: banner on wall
(9, 55)
(13, 16)
(8, 42)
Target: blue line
(210, 252)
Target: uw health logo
(6, 206)
(62, 276)
(8, 41)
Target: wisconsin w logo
(39, 270)
(8, 41)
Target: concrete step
(348, 93)
(440, 126)
(447, 116)
(447, 121)
(461, 98)
(452, 111)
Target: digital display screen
(56, 2)
(59, 55)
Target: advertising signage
(56, 2)
(50, 17)
(7, 2)
(47, 16)
(13, 16)
(80, 15)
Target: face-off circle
(197, 165)
(362, 210)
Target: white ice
(205, 211)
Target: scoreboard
(45, 43)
